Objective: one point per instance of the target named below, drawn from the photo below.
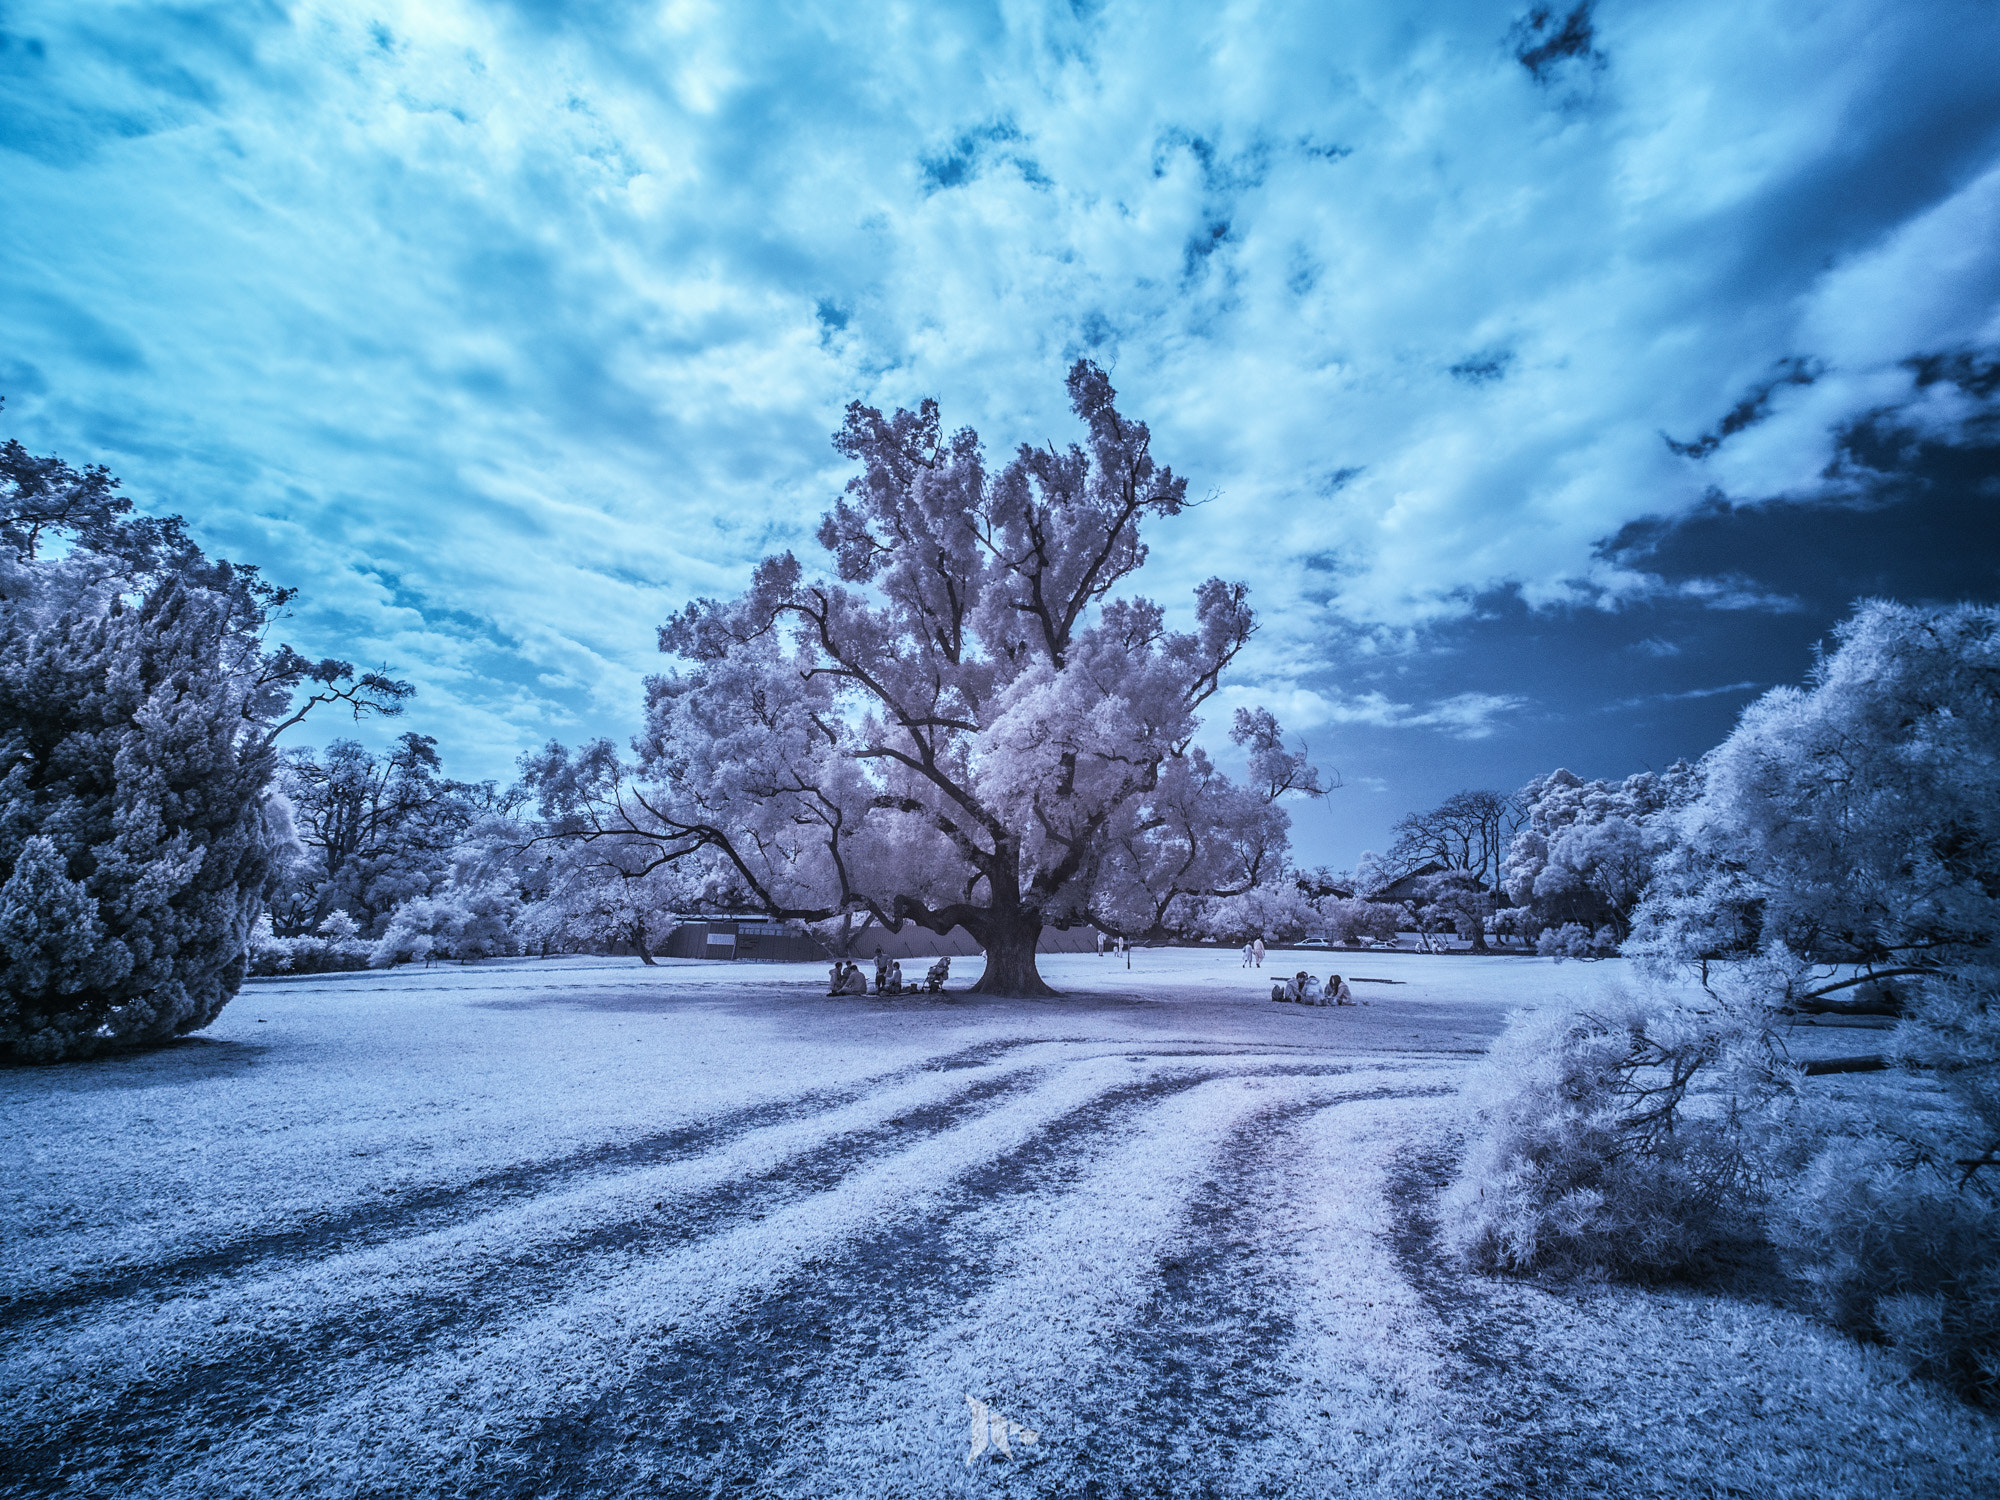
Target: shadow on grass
(184, 1059)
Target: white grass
(591, 1228)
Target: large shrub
(1900, 1246)
(1592, 1151)
(132, 813)
(139, 706)
(1855, 821)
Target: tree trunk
(639, 942)
(1009, 940)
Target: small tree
(1455, 898)
(601, 893)
(961, 727)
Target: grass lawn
(580, 1227)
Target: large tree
(1467, 831)
(961, 726)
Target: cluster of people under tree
(847, 979)
(1303, 989)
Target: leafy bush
(1574, 940)
(133, 808)
(1907, 1254)
(464, 922)
(139, 709)
(335, 949)
(1592, 1152)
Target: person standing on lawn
(1257, 947)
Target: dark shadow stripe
(430, 1209)
(776, 1368)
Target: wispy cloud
(1688, 695)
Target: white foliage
(1858, 815)
(1589, 1151)
(1585, 850)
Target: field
(580, 1228)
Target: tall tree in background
(1465, 837)
(378, 829)
(962, 726)
(1467, 831)
(139, 711)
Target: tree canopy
(964, 724)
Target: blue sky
(1556, 386)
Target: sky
(1556, 377)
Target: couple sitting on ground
(1303, 989)
(847, 979)
(888, 975)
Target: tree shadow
(185, 1059)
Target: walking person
(1249, 955)
(1257, 947)
(1100, 944)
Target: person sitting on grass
(836, 979)
(1337, 992)
(1309, 991)
(857, 982)
(895, 978)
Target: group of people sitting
(1303, 989)
(847, 979)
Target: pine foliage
(132, 827)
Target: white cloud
(1469, 715)
(502, 335)
(1687, 695)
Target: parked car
(1312, 943)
